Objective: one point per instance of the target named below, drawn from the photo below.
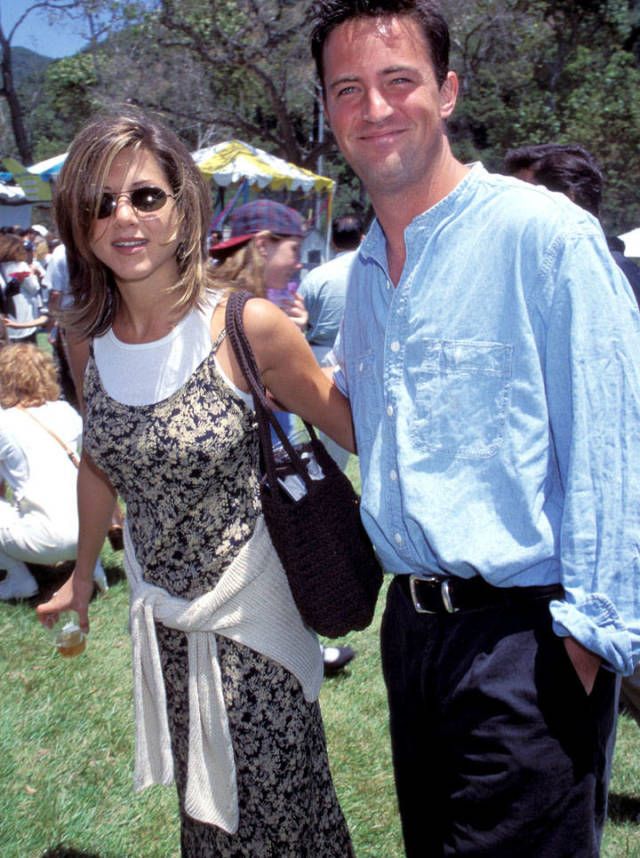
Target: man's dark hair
(568, 168)
(346, 232)
(329, 14)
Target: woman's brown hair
(78, 191)
(12, 248)
(27, 376)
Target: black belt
(438, 594)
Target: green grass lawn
(66, 749)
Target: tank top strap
(218, 341)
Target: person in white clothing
(38, 436)
(20, 289)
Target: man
(324, 288)
(323, 291)
(488, 349)
(571, 170)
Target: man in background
(573, 171)
(324, 288)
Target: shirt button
(395, 346)
(398, 538)
(360, 367)
(390, 410)
(393, 475)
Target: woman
(20, 289)
(169, 426)
(262, 255)
(38, 433)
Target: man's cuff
(596, 624)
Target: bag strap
(73, 456)
(264, 414)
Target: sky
(59, 40)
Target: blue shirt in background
(496, 401)
(324, 290)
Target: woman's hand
(297, 312)
(74, 595)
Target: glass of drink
(69, 638)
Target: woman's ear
(261, 241)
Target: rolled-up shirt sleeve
(592, 363)
(335, 358)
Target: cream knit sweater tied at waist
(251, 604)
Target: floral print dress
(187, 469)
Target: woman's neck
(143, 317)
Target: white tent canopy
(235, 161)
(12, 194)
(50, 167)
(631, 243)
(15, 208)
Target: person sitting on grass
(39, 434)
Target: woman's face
(139, 247)
(282, 260)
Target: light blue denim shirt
(496, 400)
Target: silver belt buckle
(446, 597)
(445, 593)
(413, 581)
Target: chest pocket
(461, 395)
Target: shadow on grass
(624, 808)
(51, 578)
(63, 851)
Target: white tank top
(146, 373)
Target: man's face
(383, 101)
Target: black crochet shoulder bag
(332, 568)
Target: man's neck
(396, 211)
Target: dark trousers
(498, 751)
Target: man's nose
(376, 108)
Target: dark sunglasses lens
(142, 199)
(107, 206)
(148, 199)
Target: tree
(99, 16)
(8, 89)
(257, 60)
(535, 72)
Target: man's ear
(448, 95)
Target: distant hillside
(28, 65)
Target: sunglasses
(144, 200)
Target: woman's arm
(96, 497)
(32, 323)
(290, 371)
